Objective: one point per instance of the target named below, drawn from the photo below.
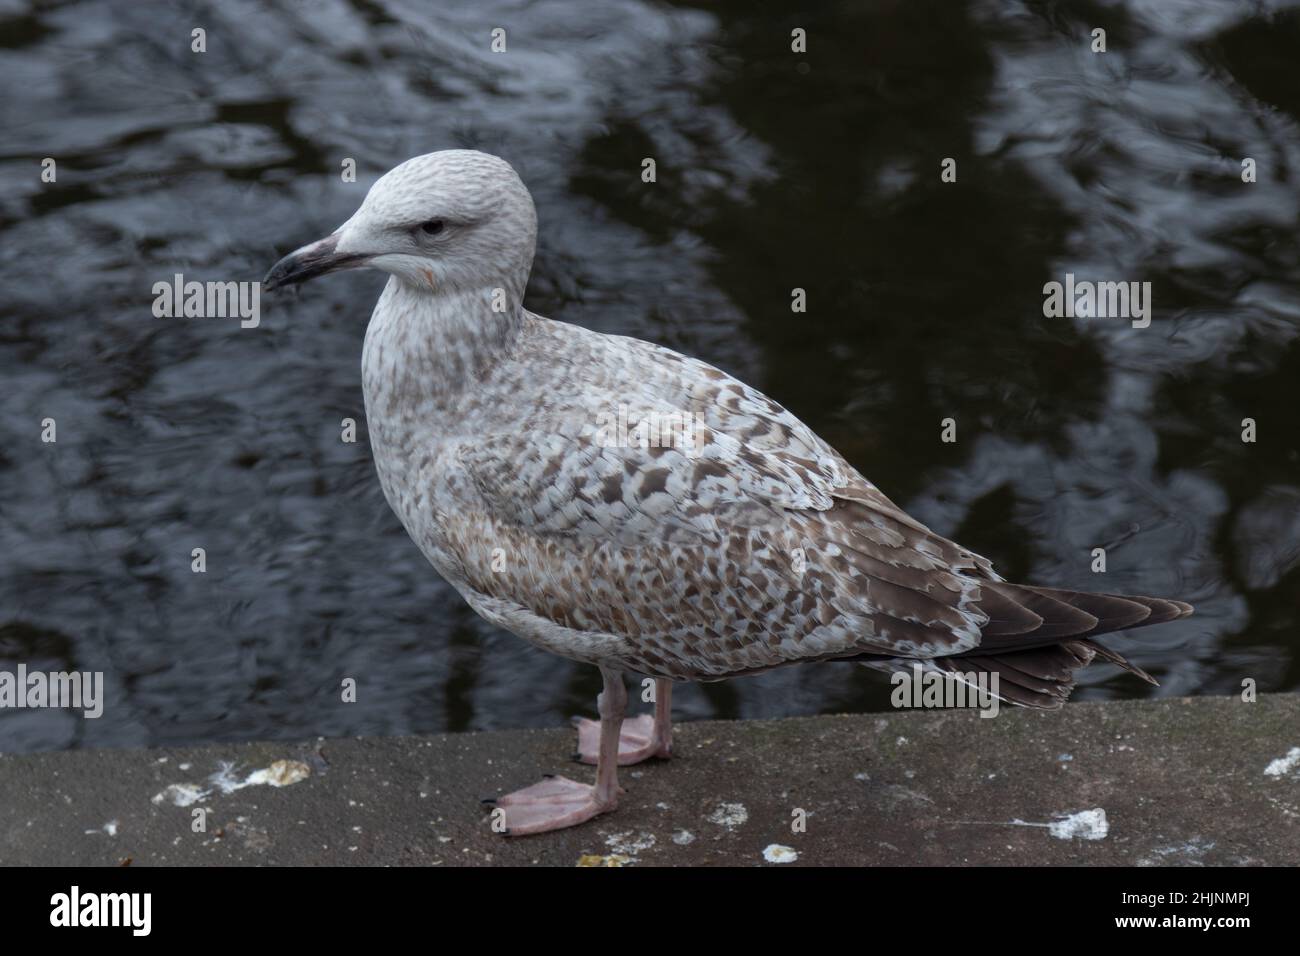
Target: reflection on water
(775, 171)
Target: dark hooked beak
(311, 261)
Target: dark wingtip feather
(1105, 653)
(1162, 609)
(1036, 638)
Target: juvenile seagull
(526, 458)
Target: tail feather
(1041, 678)
(1115, 657)
(1038, 638)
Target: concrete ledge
(1181, 781)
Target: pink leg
(558, 802)
(640, 738)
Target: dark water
(776, 170)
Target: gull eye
(432, 227)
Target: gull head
(453, 221)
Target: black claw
(489, 801)
(548, 776)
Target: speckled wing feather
(753, 547)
